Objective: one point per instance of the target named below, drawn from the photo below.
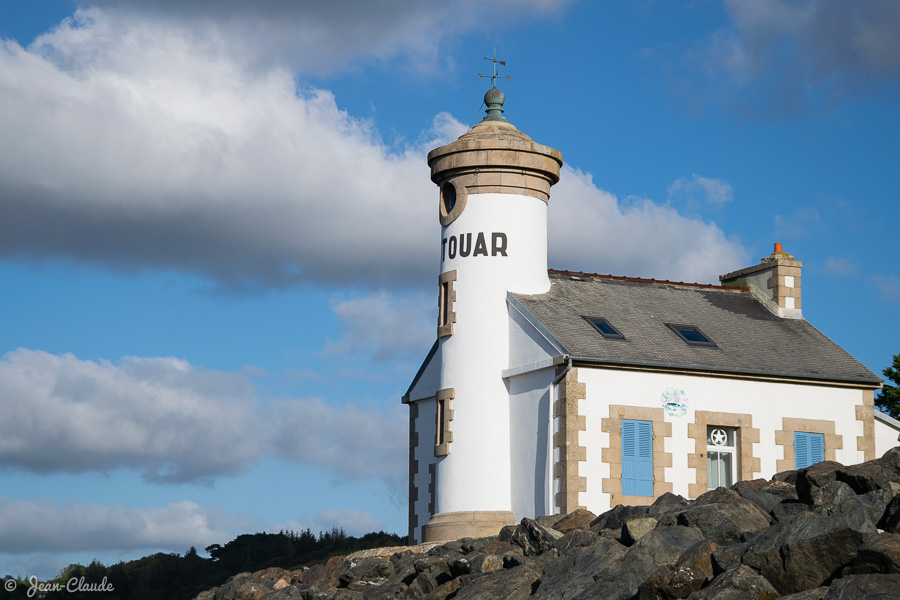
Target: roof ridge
(711, 286)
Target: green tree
(888, 400)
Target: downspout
(551, 467)
(565, 371)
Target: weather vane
(495, 75)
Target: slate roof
(749, 338)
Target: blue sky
(218, 238)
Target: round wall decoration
(675, 401)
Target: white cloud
(348, 440)
(142, 146)
(888, 287)
(785, 53)
(160, 416)
(389, 326)
(41, 526)
(711, 191)
(324, 36)
(592, 231)
(150, 145)
(174, 423)
(840, 266)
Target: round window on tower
(448, 197)
(452, 202)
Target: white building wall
(530, 437)
(528, 348)
(767, 402)
(593, 439)
(887, 430)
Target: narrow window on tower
(446, 298)
(443, 415)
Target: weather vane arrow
(496, 74)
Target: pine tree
(888, 400)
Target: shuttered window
(637, 458)
(809, 448)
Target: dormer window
(605, 328)
(692, 335)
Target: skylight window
(605, 328)
(692, 335)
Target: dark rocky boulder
(574, 571)
(865, 587)
(782, 489)
(878, 474)
(661, 547)
(811, 534)
(832, 496)
(723, 516)
(809, 550)
(725, 558)
(879, 554)
(812, 479)
(581, 518)
(742, 583)
(788, 509)
(813, 594)
(765, 500)
(229, 590)
(786, 477)
(890, 518)
(668, 501)
(531, 536)
(577, 538)
(873, 503)
(290, 593)
(637, 527)
(614, 518)
(516, 583)
(689, 574)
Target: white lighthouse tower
(494, 190)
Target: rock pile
(826, 532)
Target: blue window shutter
(809, 448)
(801, 450)
(816, 447)
(637, 458)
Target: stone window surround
(446, 298)
(612, 455)
(443, 414)
(447, 217)
(747, 435)
(785, 438)
(565, 439)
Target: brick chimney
(775, 282)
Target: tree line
(164, 576)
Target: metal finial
(494, 98)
